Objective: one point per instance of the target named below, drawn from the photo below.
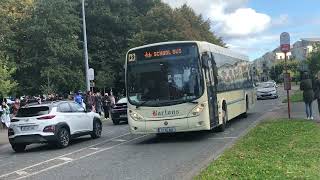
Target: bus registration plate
(166, 130)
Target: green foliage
(279, 149)
(49, 46)
(7, 84)
(314, 61)
(277, 70)
(43, 39)
(296, 96)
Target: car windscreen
(266, 85)
(33, 111)
(122, 101)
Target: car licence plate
(28, 128)
(166, 130)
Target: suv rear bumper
(29, 139)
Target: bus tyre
(245, 114)
(223, 126)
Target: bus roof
(213, 47)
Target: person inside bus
(150, 91)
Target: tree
(314, 61)
(7, 84)
(49, 46)
(277, 70)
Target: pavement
(121, 155)
(3, 137)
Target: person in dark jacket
(98, 103)
(308, 94)
(317, 90)
(106, 105)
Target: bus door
(210, 77)
(215, 90)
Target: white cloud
(230, 18)
(244, 22)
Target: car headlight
(196, 111)
(135, 116)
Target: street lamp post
(85, 47)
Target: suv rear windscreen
(33, 111)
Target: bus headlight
(197, 110)
(135, 116)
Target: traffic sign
(91, 74)
(285, 42)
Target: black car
(119, 111)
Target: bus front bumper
(172, 125)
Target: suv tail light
(46, 117)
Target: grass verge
(297, 96)
(278, 149)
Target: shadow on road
(47, 147)
(189, 136)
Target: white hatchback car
(58, 123)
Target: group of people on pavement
(7, 112)
(96, 102)
(311, 92)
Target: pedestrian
(112, 99)
(89, 101)
(78, 98)
(308, 94)
(317, 90)
(106, 105)
(98, 103)
(5, 117)
(16, 107)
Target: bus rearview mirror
(205, 61)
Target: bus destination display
(162, 53)
(159, 52)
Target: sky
(253, 27)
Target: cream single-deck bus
(186, 86)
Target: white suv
(57, 123)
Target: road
(121, 155)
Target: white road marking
(224, 138)
(5, 175)
(65, 159)
(22, 173)
(119, 140)
(90, 154)
(94, 148)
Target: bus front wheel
(222, 127)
